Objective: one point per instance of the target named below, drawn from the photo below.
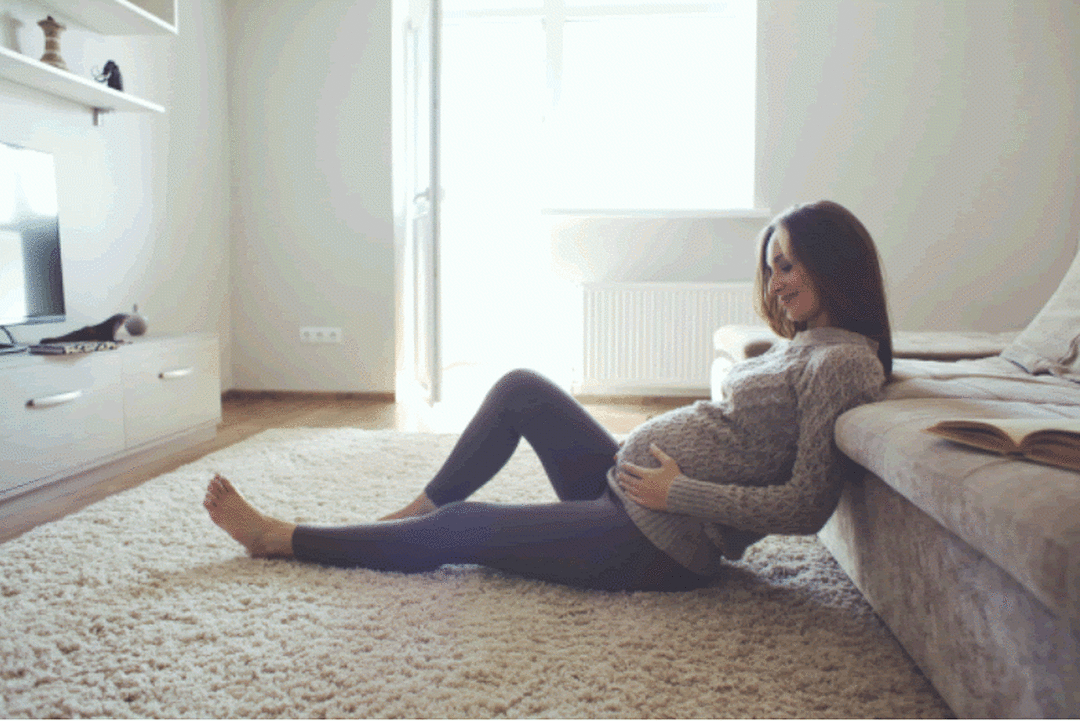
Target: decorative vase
(52, 42)
(135, 323)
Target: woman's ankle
(420, 506)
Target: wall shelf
(119, 17)
(19, 68)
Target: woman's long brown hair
(842, 261)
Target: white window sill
(735, 214)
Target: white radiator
(656, 338)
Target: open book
(1054, 441)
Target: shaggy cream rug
(139, 607)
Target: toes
(215, 489)
(221, 484)
(218, 485)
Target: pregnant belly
(707, 450)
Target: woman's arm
(840, 379)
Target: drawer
(170, 387)
(59, 414)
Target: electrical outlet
(321, 334)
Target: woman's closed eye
(780, 268)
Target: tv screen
(31, 282)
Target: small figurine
(110, 75)
(136, 322)
(52, 31)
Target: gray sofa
(971, 559)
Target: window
(645, 105)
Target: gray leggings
(585, 539)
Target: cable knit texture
(762, 460)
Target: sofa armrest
(949, 345)
(739, 342)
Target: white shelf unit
(19, 68)
(119, 17)
(108, 17)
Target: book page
(1055, 441)
(1013, 428)
(1018, 428)
(1055, 452)
(981, 434)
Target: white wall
(948, 127)
(312, 217)
(258, 203)
(143, 197)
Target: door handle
(56, 400)
(173, 374)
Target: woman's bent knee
(522, 377)
(522, 383)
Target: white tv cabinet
(61, 416)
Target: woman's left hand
(649, 486)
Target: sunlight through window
(645, 105)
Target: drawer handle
(178, 373)
(58, 399)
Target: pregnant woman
(688, 489)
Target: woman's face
(791, 284)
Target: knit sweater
(762, 459)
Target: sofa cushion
(1021, 515)
(985, 378)
(949, 345)
(1051, 342)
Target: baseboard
(603, 396)
(234, 394)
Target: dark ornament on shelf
(103, 331)
(52, 30)
(110, 75)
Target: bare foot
(420, 506)
(262, 536)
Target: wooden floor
(246, 414)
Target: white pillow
(1050, 342)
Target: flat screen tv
(31, 281)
